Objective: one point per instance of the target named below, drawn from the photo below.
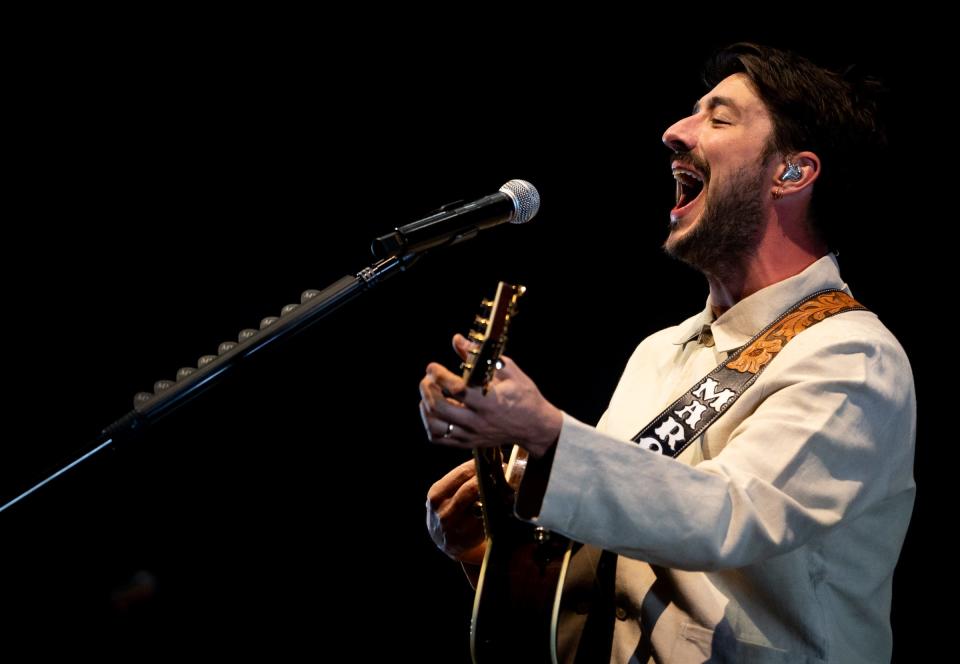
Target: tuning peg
(486, 303)
(466, 366)
(205, 360)
(268, 321)
(481, 321)
(246, 334)
(162, 385)
(473, 335)
(288, 309)
(308, 295)
(226, 347)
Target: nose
(681, 135)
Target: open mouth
(689, 186)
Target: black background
(181, 179)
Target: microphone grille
(526, 200)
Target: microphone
(516, 202)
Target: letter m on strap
(707, 392)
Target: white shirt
(775, 535)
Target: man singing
(771, 535)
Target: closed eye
(719, 121)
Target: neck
(786, 248)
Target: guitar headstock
(489, 333)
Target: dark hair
(834, 115)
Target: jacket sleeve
(831, 437)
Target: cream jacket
(774, 537)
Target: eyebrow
(717, 100)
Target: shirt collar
(741, 322)
(694, 326)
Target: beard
(729, 229)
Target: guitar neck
(494, 490)
(489, 335)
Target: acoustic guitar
(517, 599)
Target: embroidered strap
(689, 416)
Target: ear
(805, 171)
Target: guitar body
(514, 610)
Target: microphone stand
(167, 396)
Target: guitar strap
(685, 420)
